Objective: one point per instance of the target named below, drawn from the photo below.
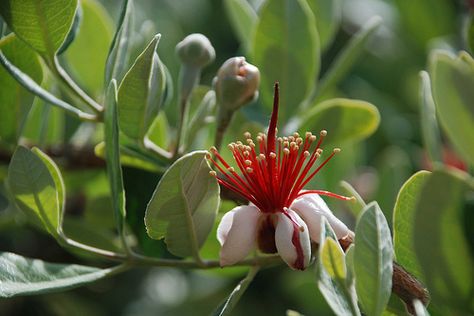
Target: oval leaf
(87, 54)
(42, 24)
(452, 82)
(15, 101)
(36, 184)
(344, 119)
(339, 295)
(332, 258)
(24, 276)
(119, 49)
(184, 205)
(404, 223)
(441, 241)
(140, 93)
(286, 49)
(373, 256)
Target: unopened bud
(236, 83)
(195, 50)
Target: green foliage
(184, 205)
(15, 101)
(286, 49)
(120, 48)
(36, 184)
(23, 276)
(404, 222)
(140, 94)
(88, 52)
(441, 243)
(112, 155)
(345, 120)
(243, 19)
(373, 255)
(328, 16)
(333, 276)
(452, 82)
(42, 24)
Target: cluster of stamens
(273, 171)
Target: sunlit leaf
(332, 258)
(348, 190)
(24, 276)
(140, 93)
(184, 205)
(373, 256)
(286, 49)
(35, 188)
(16, 101)
(452, 81)
(339, 294)
(441, 243)
(87, 54)
(404, 223)
(42, 24)
(344, 119)
(119, 49)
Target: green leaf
(228, 305)
(198, 121)
(470, 32)
(373, 256)
(429, 124)
(332, 258)
(339, 294)
(184, 205)
(140, 93)
(87, 55)
(441, 241)
(16, 101)
(42, 24)
(119, 50)
(348, 190)
(345, 120)
(24, 276)
(286, 49)
(404, 223)
(243, 19)
(347, 57)
(112, 155)
(35, 189)
(328, 17)
(452, 81)
(32, 86)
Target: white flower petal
(236, 233)
(311, 207)
(294, 251)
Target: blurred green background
(386, 76)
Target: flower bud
(195, 50)
(236, 83)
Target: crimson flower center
(273, 170)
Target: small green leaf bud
(195, 50)
(236, 83)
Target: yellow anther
(273, 155)
(249, 170)
(308, 134)
(231, 169)
(247, 135)
(261, 156)
(313, 138)
(306, 153)
(296, 135)
(323, 132)
(213, 149)
(248, 162)
(336, 150)
(286, 151)
(213, 173)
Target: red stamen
(275, 176)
